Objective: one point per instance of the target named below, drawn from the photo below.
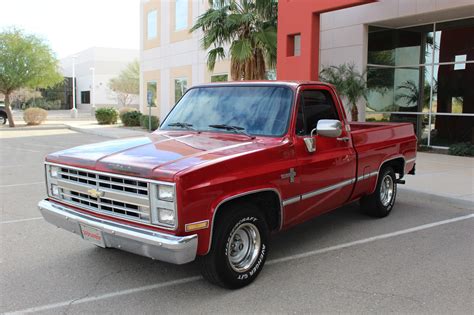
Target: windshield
(255, 110)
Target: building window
(294, 45)
(460, 62)
(424, 75)
(271, 75)
(181, 15)
(218, 4)
(152, 24)
(151, 93)
(219, 78)
(85, 97)
(180, 87)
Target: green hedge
(131, 119)
(154, 122)
(106, 116)
(462, 149)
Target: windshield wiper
(182, 125)
(236, 129)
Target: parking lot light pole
(92, 69)
(74, 109)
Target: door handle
(345, 139)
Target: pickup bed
(231, 164)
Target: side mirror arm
(310, 141)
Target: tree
(348, 82)
(411, 94)
(26, 61)
(127, 83)
(249, 27)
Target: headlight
(166, 216)
(54, 190)
(166, 193)
(163, 205)
(54, 171)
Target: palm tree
(249, 27)
(411, 93)
(348, 82)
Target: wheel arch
(397, 163)
(263, 196)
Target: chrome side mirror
(330, 128)
(311, 142)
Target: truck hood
(160, 155)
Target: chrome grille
(120, 197)
(105, 205)
(105, 181)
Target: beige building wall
(173, 54)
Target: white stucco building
(98, 64)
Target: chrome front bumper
(156, 245)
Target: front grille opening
(89, 180)
(131, 186)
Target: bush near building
(125, 110)
(131, 119)
(106, 116)
(34, 116)
(462, 149)
(154, 122)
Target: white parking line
(270, 262)
(20, 220)
(24, 184)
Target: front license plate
(92, 235)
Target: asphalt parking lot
(418, 260)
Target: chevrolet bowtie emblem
(95, 193)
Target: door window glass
(314, 106)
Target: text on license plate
(93, 235)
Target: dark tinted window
(314, 105)
(85, 97)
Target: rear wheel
(239, 247)
(380, 203)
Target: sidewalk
(443, 175)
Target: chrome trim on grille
(124, 197)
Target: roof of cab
(292, 84)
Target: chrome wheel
(387, 188)
(244, 247)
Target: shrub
(154, 122)
(131, 119)
(106, 115)
(125, 110)
(42, 103)
(34, 116)
(462, 149)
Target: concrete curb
(91, 132)
(40, 127)
(98, 132)
(438, 197)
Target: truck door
(326, 176)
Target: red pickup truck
(231, 164)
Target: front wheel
(3, 119)
(239, 247)
(380, 203)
